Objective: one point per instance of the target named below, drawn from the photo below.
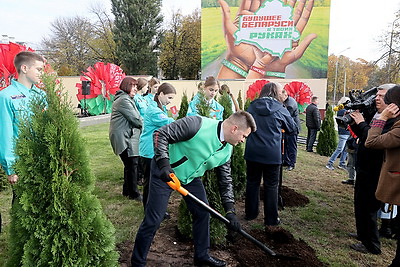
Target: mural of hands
(248, 60)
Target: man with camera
(368, 166)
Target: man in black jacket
(368, 166)
(290, 151)
(188, 147)
(313, 123)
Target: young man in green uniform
(188, 147)
(14, 102)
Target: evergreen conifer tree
(240, 100)
(327, 138)
(184, 106)
(238, 164)
(217, 228)
(247, 103)
(137, 34)
(56, 220)
(203, 108)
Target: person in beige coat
(388, 190)
(124, 133)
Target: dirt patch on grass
(169, 249)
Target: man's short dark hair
(243, 120)
(26, 58)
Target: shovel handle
(176, 185)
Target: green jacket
(125, 125)
(193, 149)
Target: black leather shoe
(210, 261)
(359, 247)
(348, 181)
(352, 235)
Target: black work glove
(165, 170)
(234, 223)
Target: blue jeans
(340, 149)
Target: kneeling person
(189, 147)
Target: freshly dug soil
(169, 249)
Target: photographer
(388, 186)
(368, 166)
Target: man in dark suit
(290, 151)
(313, 123)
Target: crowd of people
(152, 146)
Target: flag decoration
(7, 68)
(301, 92)
(104, 83)
(255, 89)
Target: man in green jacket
(188, 147)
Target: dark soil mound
(290, 252)
(169, 248)
(293, 199)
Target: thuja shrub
(217, 228)
(203, 108)
(240, 100)
(238, 164)
(56, 220)
(184, 106)
(327, 139)
(225, 101)
(4, 184)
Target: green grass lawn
(323, 223)
(315, 58)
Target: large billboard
(253, 39)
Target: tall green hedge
(327, 138)
(56, 220)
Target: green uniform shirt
(14, 102)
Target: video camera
(361, 100)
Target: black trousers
(396, 260)
(156, 207)
(130, 188)
(311, 137)
(270, 175)
(366, 207)
(146, 179)
(290, 155)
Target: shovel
(176, 185)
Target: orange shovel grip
(176, 185)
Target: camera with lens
(361, 100)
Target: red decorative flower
(300, 91)
(105, 80)
(255, 89)
(7, 68)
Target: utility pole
(336, 74)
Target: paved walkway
(92, 120)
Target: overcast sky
(357, 24)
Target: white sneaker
(329, 167)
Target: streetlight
(390, 49)
(336, 74)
